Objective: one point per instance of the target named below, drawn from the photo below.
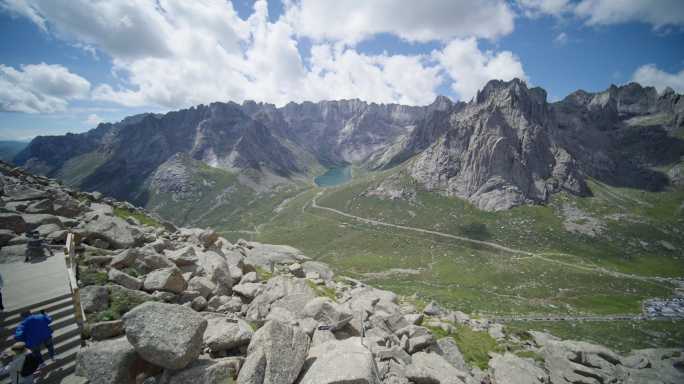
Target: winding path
(654, 280)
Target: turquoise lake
(334, 177)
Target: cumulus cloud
(649, 74)
(561, 39)
(39, 88)
(354, 20)
(177, 53)
(659, 13)
(471, 68)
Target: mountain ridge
(506, 147)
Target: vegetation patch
(92, 277)
(322, 290)
(140, 217)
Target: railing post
(72, 268)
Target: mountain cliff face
(507, 147)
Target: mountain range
(507, 147)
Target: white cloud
(657, 13)
(537, 8)
(93, 120)
(649, 74)
(471, 68)
(561, 39)
(39, 88)
(178, 53)
(427, 20)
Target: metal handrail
(72, 278)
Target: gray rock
(13, 222)
(433, 309)
(509, 368)
(167, 279)
(47, 229)
(322, 269)
(266, 256)
(204, 371)
(326, 312)
(202, 285)
(106, 329)
(114, 230)
(198, 303)
(248, 290)
(94, 298)
(153, 260)
(34, 221)
(183, 256)
(233, 305)
(224, 333)
(126, 258)
(432, 368)
(124, 279)
(250, 277)
(448, 349)
(275, 355)
(5, 236)
(296, 270)
(339, 362)
(166, 335)
(284, 292)
(217, 270)
(109, 362)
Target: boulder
(114, 230)
(266, 256)
(198, 303)
(217, 301)
(183, 256)
(167, 279)
(275, 355)
(235, 273)
(296, 270)
(106, 329)
(284, 292)
(511, 369)
(233, 305)
(129, 297)
(250, 277)
(224, 333)
(433, 309)
(153, 260)
(94, 298)
(12, 222)
(326, 312)
(248, 290)
(204, 371)
(5, 236)
(126, 258)
(340, 362)
(217, 270)
(166, 335)
(109, 362)
(448, 349)
(124, 279)
(47, 229)
(432, 368)
(202, 285)
(207, 238)
(322, 269)
(34, 221)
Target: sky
(66, 66)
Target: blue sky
(64, 67)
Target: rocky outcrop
(275, 355)
(299, 325)
(166, 335)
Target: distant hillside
(9, 149)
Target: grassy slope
(222, 203)
(479, 279)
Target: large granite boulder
(448, 349)
(204, 371)
(432, 368)
(114, 230)
(217, 270)
(290, 294)
(13, 222)
(166, 335)
(124, 279)
(337, 362)
(275, 355)
(224, 333)
(109, 362)
(94, 298)
(167, 279)
(511, 369)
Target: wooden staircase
(66, 335)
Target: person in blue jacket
(35, 331)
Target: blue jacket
(34, 330)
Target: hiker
(35, 246)
(19, 364)
(2, 284)
(35, 331)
